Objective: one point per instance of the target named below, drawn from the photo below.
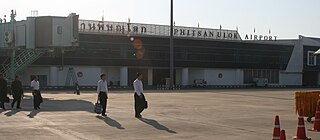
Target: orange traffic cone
(301, 131)
(283, 135)
(276, 129)
(316, 124)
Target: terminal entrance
(158, 76)
(310, 78)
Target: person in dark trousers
(76, 88)
(3, 91)
(16, 87)
(37, 98)
(139, 99)
(102, 90)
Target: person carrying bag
(140, 102)
(102, 90)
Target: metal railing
(22, 60)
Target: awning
(317, 52)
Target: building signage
(260, 37)
(156, 30)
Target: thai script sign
(156, 30)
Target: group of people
(17, 92)
(102, 90)
(139, 98)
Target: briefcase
(97, 107)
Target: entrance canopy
(317, 52)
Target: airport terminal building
(120, 49)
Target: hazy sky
(285, 18)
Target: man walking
(16, 87)
(102, 90)
(139, 99)
(3, 91)
(37, 98)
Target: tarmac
(228, 114)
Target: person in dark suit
(76, 88)
(3, 91)
(139, 99)
(16, 87)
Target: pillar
(185, 77)
(150, 77)
(239, 77)
(124, 76)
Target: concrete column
(185, 76)
(239, 77)
(53, 76)
(150, 77)
(124, 76)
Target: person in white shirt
(139, 99)
(102, 90)
(37, 98)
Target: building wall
(229, 77)
(290, 79)
(90, 75)
(57, 76)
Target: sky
(285, 18)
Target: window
(59, 30)
(311, 58)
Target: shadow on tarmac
(156, 125)
(12, 112)
(50, 105)
(111, 122)
(33, 113)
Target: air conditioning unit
(8, 37)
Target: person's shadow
(1, 110)
(51, 105)
(156, 125)
(111, 122)
(12, 112)
(33, 113)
